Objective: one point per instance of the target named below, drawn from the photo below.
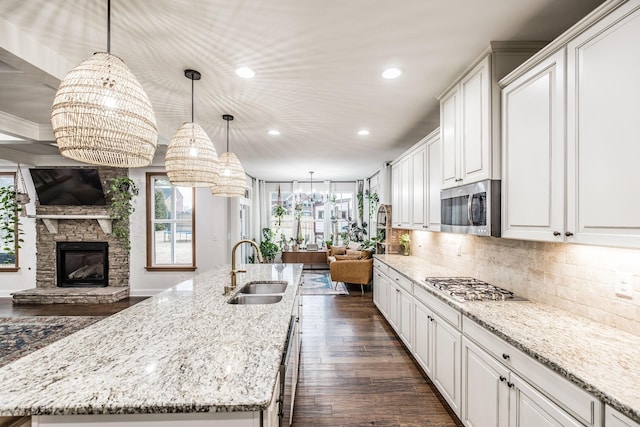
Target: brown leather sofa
(350, 266)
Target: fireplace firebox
(82, 264)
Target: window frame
(15, 267)
(150, 199)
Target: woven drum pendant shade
(232, 181)
(191, 159)
(101, 115)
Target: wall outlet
(624, 284)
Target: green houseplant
(122, 190)
(10, 230)
(405, 243)
(268, 248)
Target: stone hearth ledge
(184, 350)
(75, 295)
(600, 359)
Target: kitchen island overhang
(185, 350)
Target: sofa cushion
(366, 254)
(347, 257)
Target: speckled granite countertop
(184, 350)
(600, 359)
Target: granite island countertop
(600, 359)
(183, 350)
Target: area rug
(20, 336)
(319, 283)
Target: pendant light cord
(227, 136)
(109, 26)
(192, 100)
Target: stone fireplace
(82, 264)
(79, 237)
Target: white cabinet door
(417, 190)
(529, 408)
(392, 304)
(533, 144)
(613, 418)
(449, 118)
(446, 361)
(434, 182)
(396, 194)
(405, 193)
(422, 336)
(475, 136)
(485, 394)
(603, 130)
(405, 317)
(377, 286)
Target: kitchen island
(186, 354)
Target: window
(9, 229)
(316, 219)
(171, 240)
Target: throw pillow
(366, 254)
(357, 254)
(338, 250)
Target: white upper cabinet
(416, 185)
(599, 134)
(533, 153)
(603, 130)
(470, 115)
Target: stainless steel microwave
(472, 209)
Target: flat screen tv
(68, 186)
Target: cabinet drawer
(384, 268)
(448, 313)
(401, 281)
(582, 405)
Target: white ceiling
(318, 66)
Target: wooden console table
(310, 259)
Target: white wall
(211, 241)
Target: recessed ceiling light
(245, 72)
(391, 73)
(363, 132)
(274, 132)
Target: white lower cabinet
(436, 347)
(380, 291)
(537, 396)
(613, 418)
(485, 396)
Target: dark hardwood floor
(356, 372)
(8, 309)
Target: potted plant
(122, 190)
(268, 248)
(405, 244)
(10, 231)
(279, 212)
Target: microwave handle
(469, 209)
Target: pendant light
(101, 115)
(191, 159)
(232, 181)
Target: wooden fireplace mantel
(51, 221)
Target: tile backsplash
(579, 279)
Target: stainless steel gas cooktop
(469, 289)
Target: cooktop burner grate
(470, 289)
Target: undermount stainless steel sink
(252, 288)
(255, 299)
